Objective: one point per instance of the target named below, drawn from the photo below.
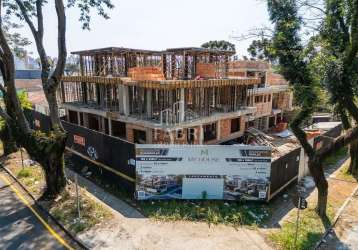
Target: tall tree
(47, 149)
(295, 65)
(220, 45)
(17, 44)
(340, 45)
(260, 49)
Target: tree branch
(62, 51)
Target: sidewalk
(344, 234)
(131, 230)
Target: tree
(47, 149)
(340, 45)
(260, 49)
(17, 44)
(296, 66)
(220, 45)
(72, 65)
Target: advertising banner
(202, 172)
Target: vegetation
(45, 149)
(64, 208)
(311, 229)
(297, 64)
(220, 45)
(261, 49)
(211, 212)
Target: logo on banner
(92, 153)
(79, 140)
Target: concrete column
(126, 100)
(109, 126)
(182, 105)
(103, 125)
(78, 118)
(149, 103)
(267, 122)
(218, 130)
(85, 120)
(120, 98)
(201, 135)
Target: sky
(158, 24)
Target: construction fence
(112, 160)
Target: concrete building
(180, 95)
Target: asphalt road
(20, 228)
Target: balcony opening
(210, 131)
(235, 125)
(72, 117)
(140, 136)
(93, 122)
(119, 129)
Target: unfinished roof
(199, 50)
(116, 50)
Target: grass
(311, 229)
(334, 158)
(65, 210)
(211, 212)
(343, 173)
(64, 207)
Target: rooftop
(122, 50)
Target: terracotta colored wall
(146, 73)
(276, 79)
(206, 70)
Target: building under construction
(180, 95)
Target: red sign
(79, 140)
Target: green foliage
(261, 50)
(25, 103)
(211, 212)
(85, 7)
(220, 45)
(24, 173)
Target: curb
(336, 217)
(68, 233)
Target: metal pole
(77, 197)
(22, 159)
(297, 221)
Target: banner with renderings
(228, 172)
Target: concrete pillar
(109, 126)
(149, 103)
(182, 105)
(218, 130)
(201, 135)
(126, 100)
(85, 120)
(267, 122)
(102, 125)
(78, 119)
(120, 98)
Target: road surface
(22, 226)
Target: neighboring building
(181, 95)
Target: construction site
(175, 96)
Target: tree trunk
(319, 178)
(54, 174)
(48, 150)
(353, 167)
(8, 141)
